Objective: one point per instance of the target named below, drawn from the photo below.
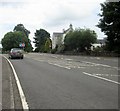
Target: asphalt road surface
(68, 82)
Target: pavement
(10, 94)
(0, 82)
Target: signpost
(22, 45)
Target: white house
(58, 37)
(100, 43)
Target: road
(68, 82)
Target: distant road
(54, 81)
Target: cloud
(70, 11)
(53, 15)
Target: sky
(51, 15)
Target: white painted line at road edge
(105, 79)
(22, 96)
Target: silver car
(16, 53)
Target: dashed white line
(105, 79)
(22, 96)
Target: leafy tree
(110, 23)
(13, 39)
(21, 28)
(40, 39)
(80, 40)
(48, 45)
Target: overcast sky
(51, 15)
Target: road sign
(22, 45)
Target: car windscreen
(17, 50)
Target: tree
(48, 45)
(13, 39)
(40, 39)
(80, 40)
(110, 23)
(21, 28)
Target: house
(58, 37)
(100, 43)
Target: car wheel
(21, 57)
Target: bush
(53, 51)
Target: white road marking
(54, 56)
(101, 74)
(96, 64)
(59, 65)
(11, 94)
(68, 59)
(106, 75)
(22, 96)
(105, 79)
(98, 58)
(101, 65)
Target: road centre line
(105, 79)
(22, 96)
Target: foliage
(20, 27)
(110, 23)
(60, 48)
(13, 39)
(53, 51)
(80, 40)
(40, 39)
(48, 45)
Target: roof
(56, 34)
(101, 41)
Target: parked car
(16, 53)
